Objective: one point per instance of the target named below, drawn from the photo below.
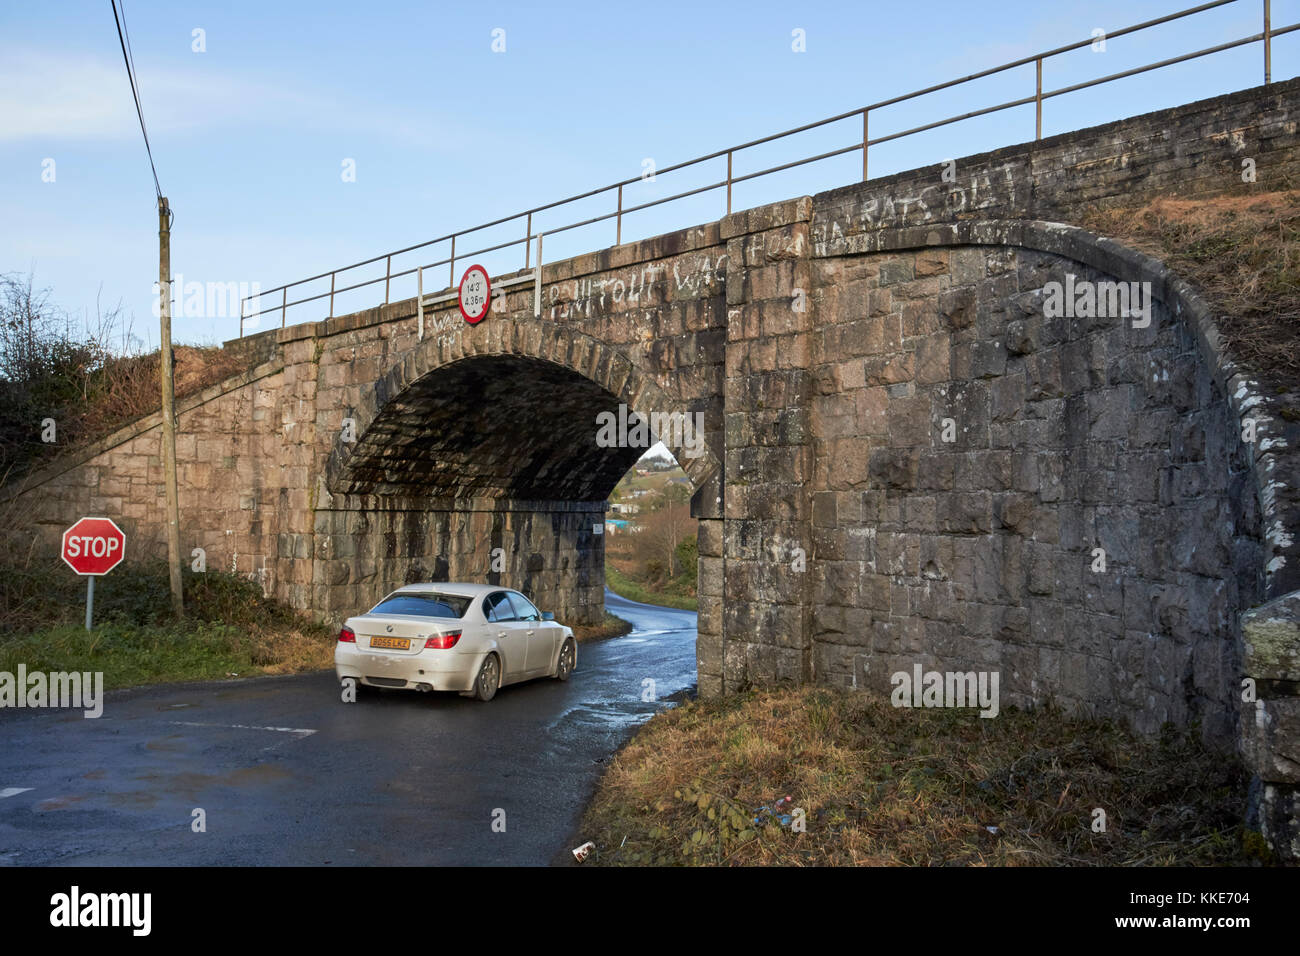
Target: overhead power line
(123, 39)
(166, 366)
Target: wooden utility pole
(169, 405)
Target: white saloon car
(471, 638)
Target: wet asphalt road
(287, 774)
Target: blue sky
(250, 136)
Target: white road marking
(302, 733)
(13, 791)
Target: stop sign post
(93, 547)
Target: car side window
(498, 608)
(524, 609)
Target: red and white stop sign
(93, 546)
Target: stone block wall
(1187, 152)
(972, 455)
(768, 459)
(366, 549)
(237, 483)
(1270, 721)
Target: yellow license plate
(391, 643)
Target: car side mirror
(548, 616)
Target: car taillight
(347, 636)
(440, 642)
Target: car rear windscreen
(427, 604)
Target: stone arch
(521, 342)
(422, 496)
(989, 574)
(1280, 567)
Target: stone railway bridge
(831, 344)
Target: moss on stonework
(1272, 636)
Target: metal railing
(866, 142)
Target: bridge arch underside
(985, 449)
(491, 426)
(487, 468)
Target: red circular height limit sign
(475, 294)
(93, 546)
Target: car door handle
(501, 634)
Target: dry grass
(293, 651)
(889, 786)
(611, 626)
(1242, 252)
(129, 388)
(124, 389)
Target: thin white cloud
(49, 96)
(43, 97)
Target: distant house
(622, 509)
(615, 525)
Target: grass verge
(612, 626)
(881, 785)
(1243, 252)
(148, 654)
(229, 629)
(624, 586)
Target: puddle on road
(615, 718)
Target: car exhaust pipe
(423, 688)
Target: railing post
(618, 232)
(528, 240)
(1038, 99)
(284, 304)
(241, 318)
(451, 265)
(332, 276)
(419, 299)
(728, 182)
(537, 281)
(866, 142)
(1268, 44)
(388, 278)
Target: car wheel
(564, 667)
(488, 679)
